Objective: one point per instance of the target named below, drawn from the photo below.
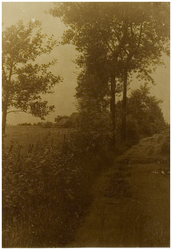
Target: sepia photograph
(85, 124)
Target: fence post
(30, 148)
(11, 148)
(52, 142)
(64, 137)
(20, 147)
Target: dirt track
(131, 206)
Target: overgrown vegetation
(115, 40)
(46, 194)
(144, 116)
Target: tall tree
(147, 37)
(90, 31)
(123, 37)
(24, 80)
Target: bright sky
(63, 97)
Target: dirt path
(131, 208)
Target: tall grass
(46, 194)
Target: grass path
(131, 208)
(135, 215)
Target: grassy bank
(46, 192)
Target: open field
(30, 138)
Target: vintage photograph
(85, 124)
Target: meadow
(27, 139)
(45, 187)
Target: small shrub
(165, 149)
(47, 125)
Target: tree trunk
(124, 109)
(5, 105)
(4, 118)
(112, 107)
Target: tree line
(115, 40)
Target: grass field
(44, 188)
(28, 138)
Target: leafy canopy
(113, 37)
(114, 33)
(144, 114)
(24, 80)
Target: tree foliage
(115, 41)
(109, 35)
(23, 79)
(144, 115)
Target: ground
(131, 206)
(130, 199)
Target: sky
(63, 96)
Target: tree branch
(139, 37)
(10, 73)
(135, 50)
(104, 38)
(15, 111)
(131, 27)
(4, 73)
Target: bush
(144, 115)
(44, 198)
(47, 125)
(94, 131)
(45, 195)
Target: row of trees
(115, 40)
(59, 121)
